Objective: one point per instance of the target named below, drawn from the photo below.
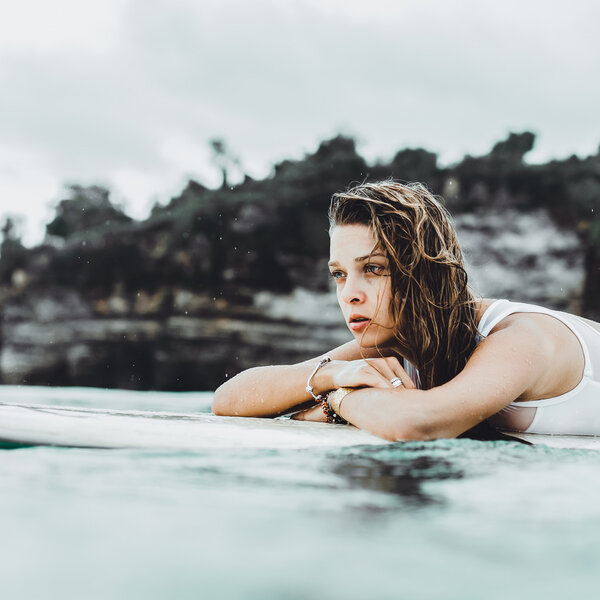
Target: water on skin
(447, 519)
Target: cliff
(221, 280)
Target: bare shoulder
(549, 347)
(519, 334)
(540, 326)
(540, 333)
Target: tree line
(271, 234)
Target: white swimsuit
(575, 413)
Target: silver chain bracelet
(309, 388)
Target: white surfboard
(33, 425)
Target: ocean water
(447, 519)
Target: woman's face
(362, 277)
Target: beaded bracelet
(330, 414)
(331, 404)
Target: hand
(314, 413)
(368, 372)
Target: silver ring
(396, 382)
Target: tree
(87, 207)
(13, 255)
(515, 147)
(224, 159)
(414, 165)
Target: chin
(372, 340)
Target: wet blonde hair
(432, 306)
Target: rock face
(217, 281)
(522, 256)
(57, 337)
(182, 339)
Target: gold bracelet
(334, 399)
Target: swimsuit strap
(494, 313)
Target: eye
(374, 269)
(337, 275)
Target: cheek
(338, 295)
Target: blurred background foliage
(271, 234)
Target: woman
(428, 359)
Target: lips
(358, 322)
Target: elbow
(221, 404)
(415, 431)
(400, 432)
(406, 433)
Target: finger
(300, 416)
(400, 373)
(389, 369)
(314, 413)
(383, 370)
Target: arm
(273, 390)
(503, 367)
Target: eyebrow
(359, 259)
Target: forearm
(273, 390)
(265, 391)
(393, 414)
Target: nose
(353, 292)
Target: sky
(127, 93)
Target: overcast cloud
(127, 93)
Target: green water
(449, 519)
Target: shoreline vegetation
(218, 280)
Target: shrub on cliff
(13, 255)
(85, 209)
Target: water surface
(448, 519)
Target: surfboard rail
(71, 426)
(33, 425)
